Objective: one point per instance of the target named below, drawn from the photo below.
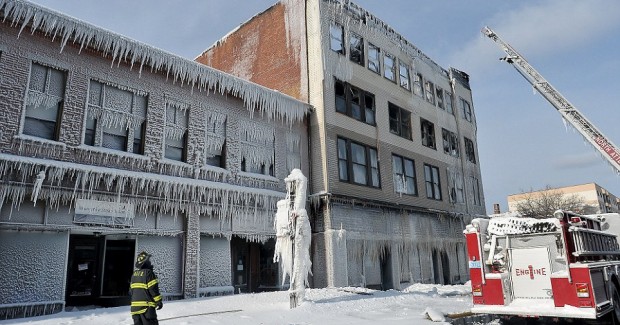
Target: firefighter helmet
(143, 257)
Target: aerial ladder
(569, 112)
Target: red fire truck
(566, 266)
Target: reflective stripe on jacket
(144, 291)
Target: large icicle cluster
(27, 15)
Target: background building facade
(594, 198)
(394, 171)
(109, 147)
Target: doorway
(99, 270)
(253, 268)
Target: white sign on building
(110, 214)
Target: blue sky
(522, 141)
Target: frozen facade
(109, 146)
(394, 170)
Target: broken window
(439, 96)
(476, 190)
(405, 82)
(400, 121)
(358, 163)
(449, 105)
(457, 192)
(465, 109)
(336, 36)
(176, 131)
(431, 179)
(115, 118)
(469, 150)
(44, 102)
(389, 67)
(356, 49)
(429, 90)
(374, 56)
(417, 85)
(428, 133)
(450, 143)
(354, 102)
(404, 175)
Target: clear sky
(523, 142)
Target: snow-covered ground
(321, 306)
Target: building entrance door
(252, 266)
(99, 270)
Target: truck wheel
(615, 296)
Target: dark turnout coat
(144, 290)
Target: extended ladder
(561, 104)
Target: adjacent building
(394, 167)
(593, 198)
(109, 146)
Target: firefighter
(145, 296)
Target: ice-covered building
(109, 146)
(394, 174)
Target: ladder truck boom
(561, 104)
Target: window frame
(31, 115)
(476, 191)
(332, 38)
(182, 143)
(466, 112)
(429, 91)
(449, 102)
(439, 97)
(389, 68)
(376, 60)
(426, 125)
(418, 84)
(403, 128)
(450, 142)
(403, 175)
(432, 185)
(367, 113)
(359, 49)
(404, 80)
(346, 163)
(470, 151)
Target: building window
(358, 163)
(457, 191)
(336, 36)
(374, 57)
(404, 175)
(389, 67)
(355, 102)
(431, 178)
(176, 132)
(400, 121)
(465, 109)
(44, 102)
(356, 49)
(405, 82)
(428, 133)
(450, 143)
(429, 90)
(116, 118)
(215, 141)
(257, 147)
(470, 153)
(449, 105)
(476, 190)
(439, 95)
(417, 85)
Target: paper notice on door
(83, 267)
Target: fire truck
(567, 266)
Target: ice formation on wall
(293, 236)
(123, 49)
(257, 143)
(216, 130)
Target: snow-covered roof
(27, 15)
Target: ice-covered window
(449, 104)
(356, 49)
(465, 109)
(354, 102)
(404, 175)
(115, 118)
(400, 121)
(405, 81)
(429, 90)
(417, 85)
(428, 133)
(457, 192)
(439, 96)
(257, 147)
(470, 152)
(476, 190)
(336, 36)
(177, 117)
(389, 67)
(374, 57)
(431, 178)
(215, 142)
(293, 151)
(450, 143)
(358, 163)
(44, 102)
